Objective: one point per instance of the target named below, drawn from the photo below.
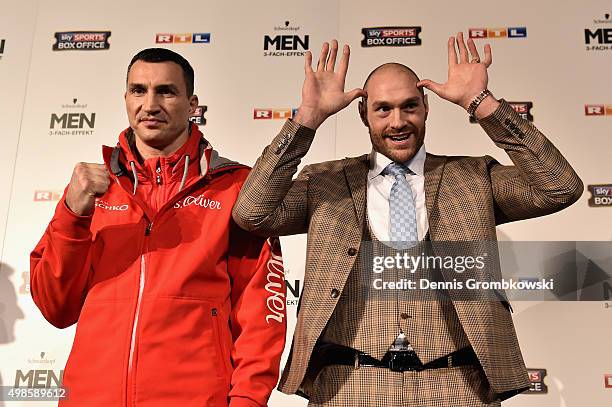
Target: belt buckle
(359, 363)
(400, 362)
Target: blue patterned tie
(403, 224)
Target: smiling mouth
(400, 137)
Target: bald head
(391, 68)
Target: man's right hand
(323, 90)
(88, 182)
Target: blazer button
(334, 293)
(352, 251)
(404, 315)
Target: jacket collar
(356, 171)
(210, 160)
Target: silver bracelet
(476, 102)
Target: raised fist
(88, 182)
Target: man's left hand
(467, 77)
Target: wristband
(476, 102)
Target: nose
(150, 103)
(398, 121)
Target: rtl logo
(269, 114)
(510, 32)
(47, 196)
(188, 38)
(598, 110)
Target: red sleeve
(258, 317)
(59, 267)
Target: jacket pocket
(223, 365)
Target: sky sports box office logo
(391, 36)
(185, 38)
(508, 32)
(601, 195)
(522, 108)
(81, 41)
(197, 116)
(536, 381)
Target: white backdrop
(550, 67)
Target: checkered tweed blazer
(466, 197)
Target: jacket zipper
(141, 285)
(142, 276)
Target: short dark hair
(165, 55)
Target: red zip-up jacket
(175, 304)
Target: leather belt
(397, 361)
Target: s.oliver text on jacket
(276, 299)
(198, 201)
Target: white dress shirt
(379, 191)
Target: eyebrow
(159, 88)
(412, 100)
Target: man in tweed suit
(346, 339)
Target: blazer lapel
(356, 173)
(434, 167)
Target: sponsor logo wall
(65, 102)
(81, 41)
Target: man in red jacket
(175, 304)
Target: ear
(193, 103)
(426, 103)
(363, 112)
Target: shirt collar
(379, 162)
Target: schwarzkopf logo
(74, 105)
(607, 20)
(42, 359)
(286, 27)
(72, 123)
(287, 43)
